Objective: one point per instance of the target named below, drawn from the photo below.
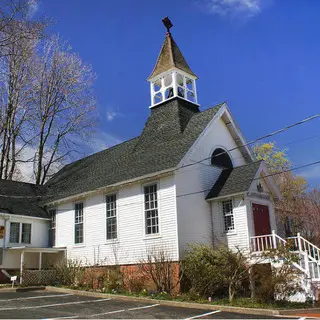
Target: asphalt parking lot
(52, 305)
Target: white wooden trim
(109, 188)
(153, 235)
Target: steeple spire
(170, 55)
(171, 76)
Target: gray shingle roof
(236, 180)
(169, 132)
(22, 198)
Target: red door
(261, 219)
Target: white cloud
(33, 8)
(243, 9)
(102, 140)
(113, 113)
(312, 172)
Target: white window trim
(144, 229)
(115, 240)
(55, 228)
(230, 232)
(20, 232)
(82, 244)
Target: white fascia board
(238, 132)
(174, 97)
(226, 196)
(9, 215)
(188, 155)
(109, 188)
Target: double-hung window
(78, 223)
(20, 232)
(53, 214)
(151, 209)
(228, 216)
(111, 217)
(14, 232)
(26, 233)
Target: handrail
(310, 263)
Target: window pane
(111, 218)
(78, 220)
(151, 209)
(227, 209)
(78, 232)
(52, 240)
(14, 232)
(26, 233)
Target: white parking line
(54, 305)
(203, 315)
(38, 297)
(122, 310)
(71, 317)
(145, 307)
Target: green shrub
(213, 271)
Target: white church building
(188, 178)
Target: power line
(256, 140)
(207, 190)
(269, 175)
(232, 149)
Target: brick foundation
(130, 276)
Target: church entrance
(261, 219)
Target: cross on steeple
(167, 23)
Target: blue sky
(262, 57)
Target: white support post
(306, 263)
(21, 265)
(151, 93)
(174, 84)
(274, 240)
(40, 260)
(163, 90)
(299, 242)
(195, 91)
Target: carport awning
(33, 249)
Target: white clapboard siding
(132, 245)
(195, 181)
(239, 238)
(39, 239)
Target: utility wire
(256, 140)
(205, 190)
(235, 148)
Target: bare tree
(16, 86)
(64, 105)
(17, 12)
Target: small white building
(188, 178)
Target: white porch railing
(309, 254)
(266, 242)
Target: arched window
(220, 158)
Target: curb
(264, 312)
(23, 289)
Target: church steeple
(171, 76)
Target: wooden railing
(266, 242)
(309, 254)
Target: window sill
(112, 241)
(230, 233)
(152, 236)
(81, 245)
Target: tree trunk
(231, 293)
